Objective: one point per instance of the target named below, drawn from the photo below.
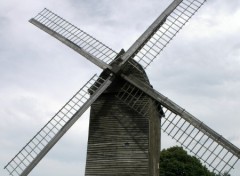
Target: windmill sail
(210, 147)
(207, 145)
(162, 31)
(48, 136)
(75, 38)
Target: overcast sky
(199, 70)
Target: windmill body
(126, 112)
(121, 140)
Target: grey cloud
(3, 23)
(224, 5)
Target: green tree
(224, 174)
(176, 162)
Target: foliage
(224, 174)
(176, 162)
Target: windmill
(123, 68)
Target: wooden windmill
(126, 112)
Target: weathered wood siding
(121, 141)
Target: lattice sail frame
(167, 31)
(54, 127)
(195, 139)
(75, 35)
